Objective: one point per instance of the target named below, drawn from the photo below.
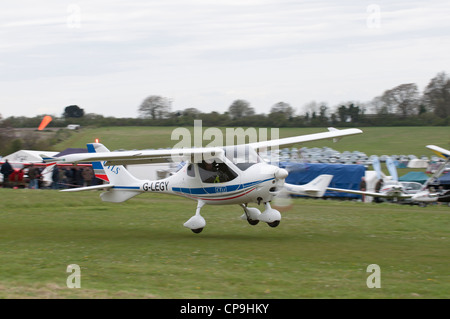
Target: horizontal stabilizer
(118, 196)
(47, 158)
(351, 191)
(88, 188)
(315, 188)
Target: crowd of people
(32, 176)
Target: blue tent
(344, 176)
(419, 177)
(444, 179)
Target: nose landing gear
(270, 216)
(251, 214)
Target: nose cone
(281, 173)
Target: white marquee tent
(26, 156)
(417, 163)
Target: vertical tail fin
(98, 166)
(116, 174)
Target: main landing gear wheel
(196, 223)
(253, 222)
(197, 231)
(274, 224)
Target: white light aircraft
(222, 176)
(396, 190)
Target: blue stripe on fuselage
(218, 189)
(127, 187)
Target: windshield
(242, 156)
(215, 172)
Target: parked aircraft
(398, 191)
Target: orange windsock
(47, 119)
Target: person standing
(88, 175)
(33, 174)
(363, 188)
(55, 177)
(62, 178)
(6, 170)
(378, 187)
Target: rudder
(115, 174)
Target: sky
(108, 56)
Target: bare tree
(378, 106)
(284, 108)
(436, 96)
(155, 107)
(311, 107)
(240, 108)
(403, 100)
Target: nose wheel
(271, 216)
(274, 224)
(253, 216)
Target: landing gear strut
(271, 216)
(251, 214)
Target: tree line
(403, 105)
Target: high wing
(442, 152)
(183, 154)
(332, 133)
(351, 191)
(140, 156)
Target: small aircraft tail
(316, 188)
(115, 174)
(392, 169)
(122, 185)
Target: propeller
(283, 201)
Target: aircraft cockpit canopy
(242, 156)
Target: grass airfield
(373, 141)
(140, 249)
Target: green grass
(139, 249)
(374, 140)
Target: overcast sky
(108, 56)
